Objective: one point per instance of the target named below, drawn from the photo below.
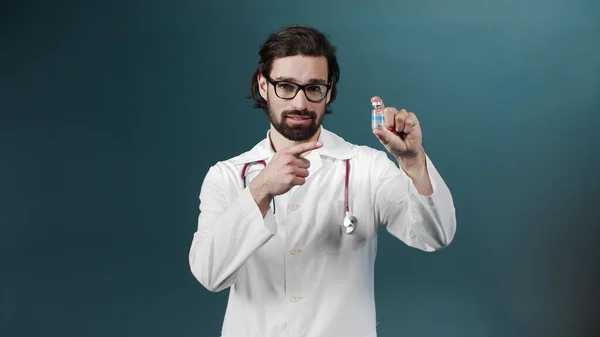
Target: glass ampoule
(377, 115)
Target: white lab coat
(294, 273)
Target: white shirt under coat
(294, 273)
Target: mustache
(304, 112)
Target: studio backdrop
(112, 112)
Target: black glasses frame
(299, 87)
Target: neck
(279, 142)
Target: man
(271, 226)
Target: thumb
(383, 136)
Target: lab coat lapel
(315, 163)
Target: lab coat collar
(333, 146)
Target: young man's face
(297, 118)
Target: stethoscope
(348, 224)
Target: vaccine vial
(377, 116)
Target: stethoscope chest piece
(349, 224)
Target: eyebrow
(311, 81)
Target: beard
(297, 133)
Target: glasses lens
(286, 90)
(316, 92)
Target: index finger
(299, 149)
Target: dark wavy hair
(290, 41)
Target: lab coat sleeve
(427, 223)
(230, 229)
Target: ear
(262, 86)
(328, 96)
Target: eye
(286, 86)
(315, 88)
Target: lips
(298, 120)
(296, 117)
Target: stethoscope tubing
(346, 183)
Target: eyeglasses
(288, 90)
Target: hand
(286, 170)
(402, 137)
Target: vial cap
(376, 103)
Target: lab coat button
(294, 299)
(292, 206)
(295, 251)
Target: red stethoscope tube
(346, 206)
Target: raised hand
(402, 136)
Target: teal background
(112, 112)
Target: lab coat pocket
(333, 239)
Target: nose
(300, 102)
